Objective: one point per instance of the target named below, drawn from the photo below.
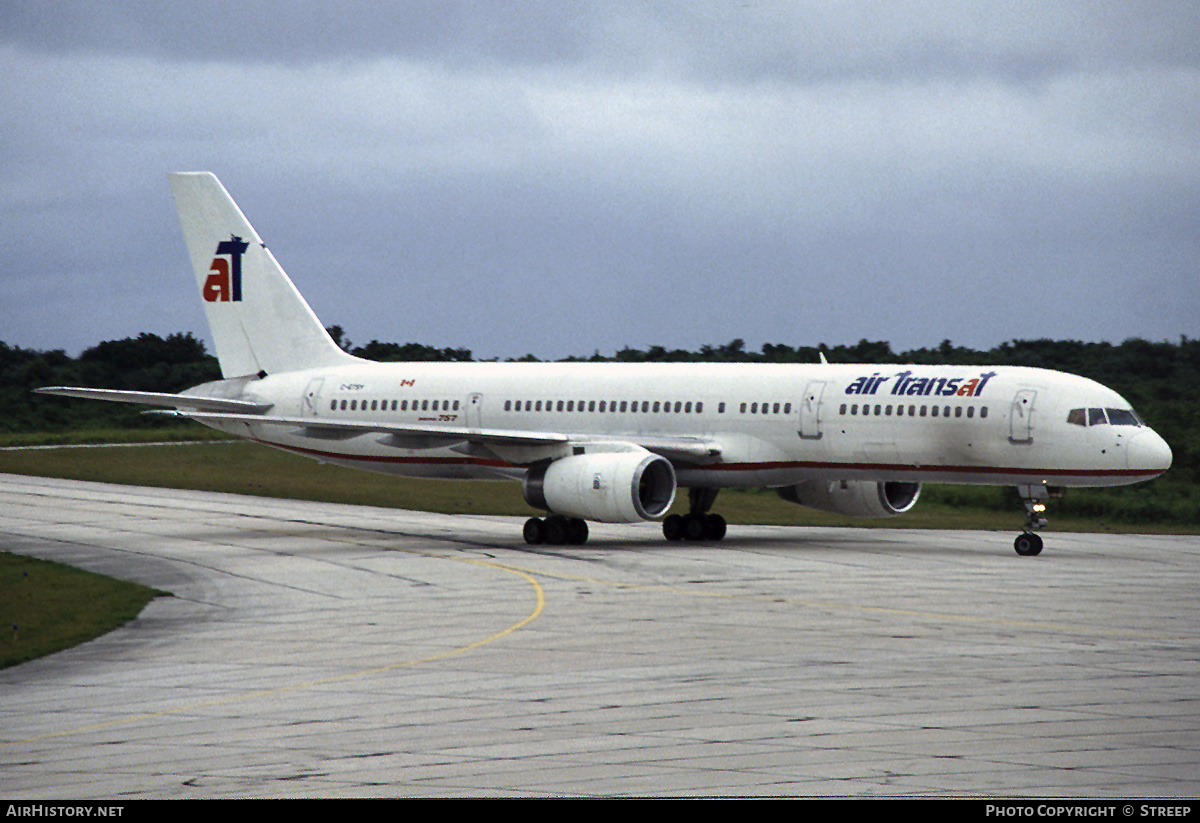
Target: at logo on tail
(224, 283)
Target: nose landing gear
(1029, 544)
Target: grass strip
(47, 607)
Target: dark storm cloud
(556, 178)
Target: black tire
(1028, 544)
(557, 530)
(694, 527)
(673, 527)
(577, 531)
(714, 524)
(535, 531)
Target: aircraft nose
(1148, 452)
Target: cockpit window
(1099, 417)
(1123, 417)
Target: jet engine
(609, 487)
(854, 498)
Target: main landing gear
(556, 530)
(698, 523)
(1029, 544)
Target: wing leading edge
(417, 436)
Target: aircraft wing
(175, 401)
(418, 436)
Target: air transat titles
(906, 385)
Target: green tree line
(1160, 379)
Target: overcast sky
(557, 178)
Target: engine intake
(854, 498)
(609, 487)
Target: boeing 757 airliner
(614, 442)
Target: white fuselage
(771, 425)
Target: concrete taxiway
(328, 650)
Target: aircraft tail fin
(259, 321)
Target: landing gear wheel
(534, 531)
(694, 527)
(577, 531)
(714, 524)
(557, 530)
(673, 527)
(1028, 544)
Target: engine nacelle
(854, 498)
(609, 487)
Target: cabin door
(810, 411)
(475, 410)
(1020, 418)
(312, 397)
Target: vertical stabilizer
(259, 321)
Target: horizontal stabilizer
(174, 401)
